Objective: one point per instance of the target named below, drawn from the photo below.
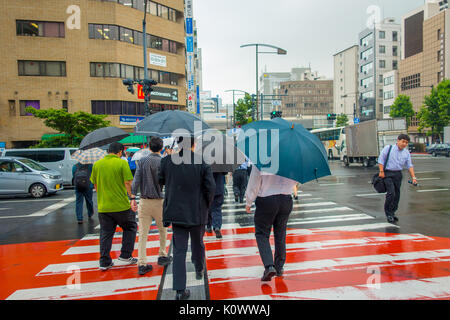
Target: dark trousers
(240, 179)
(180, 239)
(108, 224)
(393, 182)
(272, 211)
(80, 196)
(215, 212)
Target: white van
(58, 159)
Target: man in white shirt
(273, 200)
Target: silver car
(25, 176)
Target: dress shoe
(208, 229)
(218, 233)
(395, 219)
(268, 273)
(279, 272)
(183, 295)
(164, 261)
(390, 219)
(144, 269)
(199, 274)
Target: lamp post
(354, 104)
(234, 105)
(257, 45)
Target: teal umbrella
(284, 148)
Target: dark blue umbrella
(284, 148)
(165, 123)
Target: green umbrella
(284, 148)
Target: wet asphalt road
(424, 209)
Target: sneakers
(130, 260)
(107, 267)
(80, 221)
(144, 269)
(218, 233)
(164, 261)
(269, 273)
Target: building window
(380, 78)
(380, 107)
(382, 49)
(439, 34)
(387, 110)
(382, 35)
(65, 105)
(40, 28)
(395, 51)
(439, 55)
(388, 80)
(394, 36)
(42, 68)
(126, 35)
(366, 40)
(395, 65)
(410, 82)
(388, 95)
(28, 103)
(382, 64)
(380, 93)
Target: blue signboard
(2, 144)
(356, 121)
(130, 121)
(189, 26)
(198, 100)
(189, 44)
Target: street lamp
(354, 104)
(257, 45)
(234, 105)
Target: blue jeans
(80, 196)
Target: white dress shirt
(262, 184)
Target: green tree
(244, 110)
(341, 120)
(435, 113)
(402, 107)
(73, 126)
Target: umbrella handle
(315, 173)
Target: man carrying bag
(391, 162)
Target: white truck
(364, 141)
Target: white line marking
(371, 194)
(325, 219)
(115, 247)
(424, 179)
(433, 190)
(315, 204)
(331, 184)
(46, 211)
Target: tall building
(390, 91)
(379, 52)
(73, 55)
(346, 82)
(425, 54)
(307, 99)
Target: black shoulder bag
(377, 182)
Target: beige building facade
(424, 56)
(74, 55)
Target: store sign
(140, 92)
(2, 147)
(158, 60)
(130, 121)
(190, 44)
(164, 94)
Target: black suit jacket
(189, 191)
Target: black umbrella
(102, 136)
(220, 151)
(168, 123)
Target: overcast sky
(311, 31)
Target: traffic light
(129, 83)
(276, 114)
(331, 116)
(147, 86)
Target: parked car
(442, 149)
(25, 176)
(58, 159)
(431, 147)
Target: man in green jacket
(112, 179)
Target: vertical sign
(190, 55)
(198, 100)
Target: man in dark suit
(190, 189)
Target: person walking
(215, 212)
(273, 200)
(399, 158)
(240, 180)
(83, 190)
(112, 179)
(132, 163)
(189, 192)
(146, 180)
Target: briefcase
(377, 182)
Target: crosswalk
(333, 252)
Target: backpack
(81, 178)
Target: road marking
(331, 184)
(315, 204)
(46, 211)
(370, 194)
(5, 208)
(432, 190)
(423, 179)
(336, 218)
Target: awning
(132, 139)
(48, 136)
